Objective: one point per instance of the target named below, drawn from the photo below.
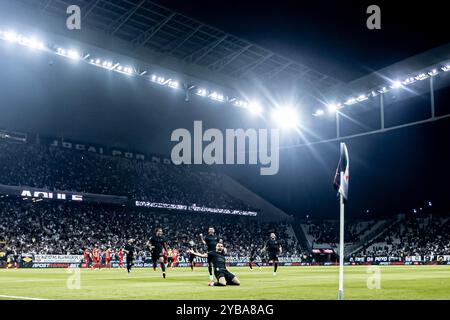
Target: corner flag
(343, 166)
(341, 179)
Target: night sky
(390, 173)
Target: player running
(217, 258)
(157, 243)
(129, 250)
(211, 241)
(252, 258)
(273, 247)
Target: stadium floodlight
(421, 76)
(61, 51)
(216, 96)
(383, 90)
(396, 85)
(351, 101)
(430, 204)
(433, 73)
(446, 68)
(318, 113)
(362, 97)
(254, 108)
(74, 55)
(285, 117)
(333, 107)
(173, 84)
(10, 36)
(408, 81)
(201, 92)
(98, 61)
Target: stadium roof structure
(145, 24)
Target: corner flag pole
(342, 172)
(341, 243)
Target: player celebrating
(217, 257)
(211, 241)
(129, 250)
(252, 258)
(273, 247)
(157, 243)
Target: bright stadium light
(74, 55)
(433, 73)
(10, 36)
(362, 97)
(255, 108)
(332, 107)
(201, 92)
(216, 96)
(408, 81)
(285, 117)
(396, 85)
(446, 68)
(421, 76)
(173, 84)
(318, 113)
(350, 101)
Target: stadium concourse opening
(145, 154)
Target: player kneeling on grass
(217, 257)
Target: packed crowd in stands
(45, 227)
(328, 231)
(413, 236)
(52, 168)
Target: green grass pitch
(396, 282)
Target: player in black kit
(273, 247)
(217, 258)
(129, 250)
(252, 258)
(211, 241)
(157, 243)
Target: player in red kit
(86, 256)
(108, 258)
(121, 258)
(96, 258)
(174, 257)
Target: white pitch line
(21, 298)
